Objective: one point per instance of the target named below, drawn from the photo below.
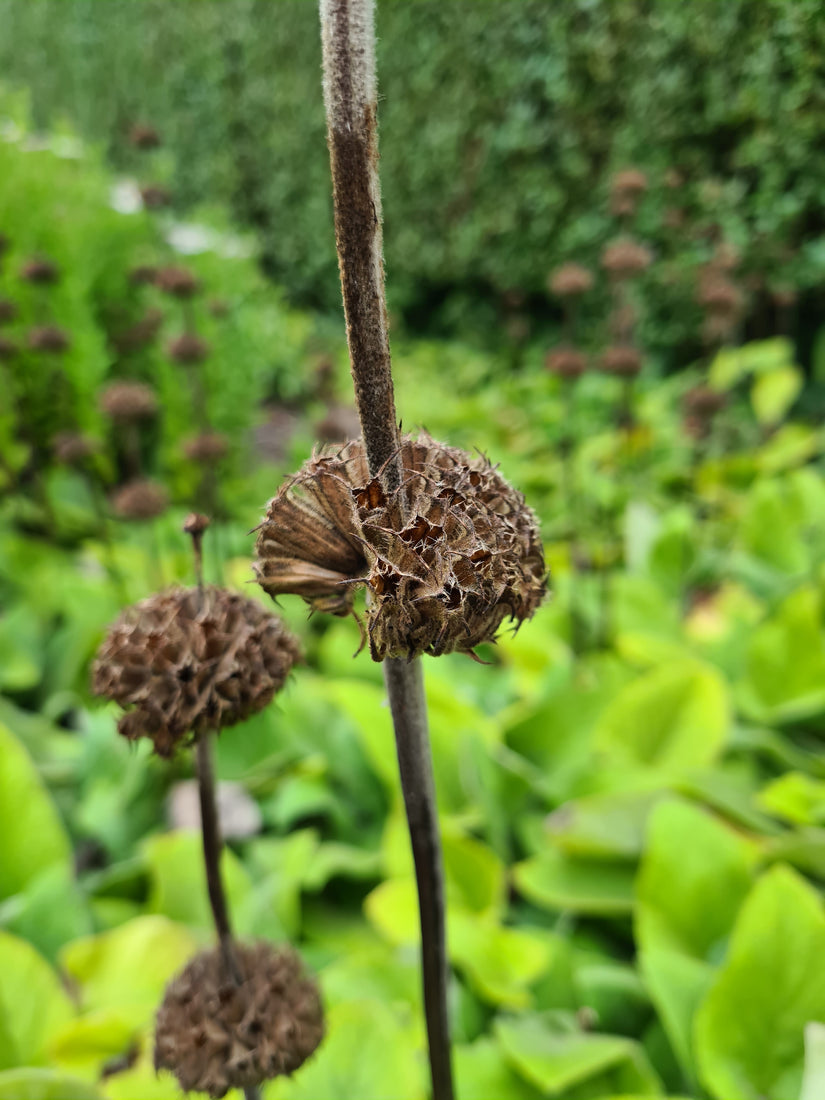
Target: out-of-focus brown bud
(207, 448)
(143, 275)
(9, 348)
(72, 448)
(179, 282)
(49, 338)
(630, 181)
(340, 423)
(144, 137)
(8, 311)
(623, 360)
(566, 362)
(188, 348)
(625, 258)
(155, 196)
(140, 500)
(704, 402)
(128, 401)
(570, 281)
(719, 297)
(40, 270)
(218, 307)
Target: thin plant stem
(350, 97)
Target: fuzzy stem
(350, 96)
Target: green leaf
(555, 881)
(44, 1084)
(84, 1044)
(674, 717)
(605, 826)
(21, 650)
(33, 835)
(50, 911)
(750, 1027)
(795, 797)
(813, 1080)
(367, 1053)
(482, 1072)
(500, 964)
(33, 1003)
(773, 393)
(688, 894)
(676, 984)
(127, 968)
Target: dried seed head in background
(141, 500)
(215, 1036)
(155, 196)
(40, 270)
(140, 334)
(8, 348)
(128, 401)
(623, 360)
(704, 402)
(630, 181)
(8, 311)
(188, 661)
(206, 448)
(570, 280)
(143, 275)
(566, 362)
(188, 348)
(625, 258)
(179, 282)
(49, 338)
(143, 136)
(719, 297)
(451, 554)
(72, 448)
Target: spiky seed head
(49, 339)
(218, 307)
(126, 402)
(446, 558)
(188, 348)
(625, 258)
(629, 181)
(566, 362)
(719, 296)
(704, 402)
(187, 661)
(215, 1035)
(570, 281)
(140, 500)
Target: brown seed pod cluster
(446, 557)
(41, 271)
(206, 448)
(50, 339)
(140, 500)
(566, 362)
(623, 360)
(187, 661)
(215, 1035)
(625, 258)
(179, 282)
(72, 448)
(188, 348)
(125, 402)
(144, 137)
(570, 281)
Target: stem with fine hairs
(350, 97)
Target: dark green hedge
(501, 124)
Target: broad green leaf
(367, 1053)
(50, 911)
(127, 968)
(674, 717)
(500, 964)
(555, 881)
(379, 972)
(759, 357)
(33, 1004)
(676, 984)
(33, 835)
(615, 993)
(813, 1080)
(482, 1072)
(84, 1044)
(21, 650)
(796, 797)
(694, 875)
(44, 1084)
(750, 1027)
(141, 1082)
(789, 446)
(606, 826)
(773, 393)
(285, 864)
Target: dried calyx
(445, 558)
(215, 1035)
(191, 660)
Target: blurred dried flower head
(783, 296)
(8, 348)
(8, 311)
(140, 500)
(207, 448)
(624, 258)
(704, 402)
(40, 270)
(72, 448)
(623, 360)
(218, 307)
(717, 329)
(144, 137)
(621, 321)
(179, 282)
(188, 348)
(719, 297)
(140, 334)
(187, 661)
(155, 196)
(630, 181)
(340, 423)
(446, 558)
(674, 217)
(143, 275)
(49, 338)
(566, 362)
(215, 1036)
(570, 281)
(125, 402)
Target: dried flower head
(566, 362)
(143, 275)
(719, 297)
(179, 282)
(125, 402)
(49, 338)
(570, 280)
(218, 307)
(40, 270)
(446, 558)
(718, 328)
(704, 402)
(144, 137)
(630, 181)
(340, 423)
(624, 258)
(621, 321)
(215, 1035)
(674, 217)
(141, 499)
(623, 360)
(188, 348)
(72, 448)
(206, 448)
(140, 334)
(8, 311)
(187, 661)
(155, 196)
(8, 348)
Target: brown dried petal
(188, 662)
(446, 558)
(215, 1035)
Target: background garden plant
(594, 952)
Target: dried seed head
(144, 137)
(621, 322)
(155, 196)
(179, 282)
(570, 280)
(566, 362)
(630, 182)
(622, 359)
(140, 334)
(186, 661)
(624, 258)
(143, 275)
(218, 307)
(340, 423)
(48, 338)
(206, 448)
(674, 217)
(141, 499)
(188, 348)
(446, 558)
(126, 402)
(783, 296)
(40, 270)
(703, 402)
(718, 328)
(215, 1035)
(8, 349)
(72, 448)
(719, 297)
(8, 311)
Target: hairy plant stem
(350, 96)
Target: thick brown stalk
(350, 96)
